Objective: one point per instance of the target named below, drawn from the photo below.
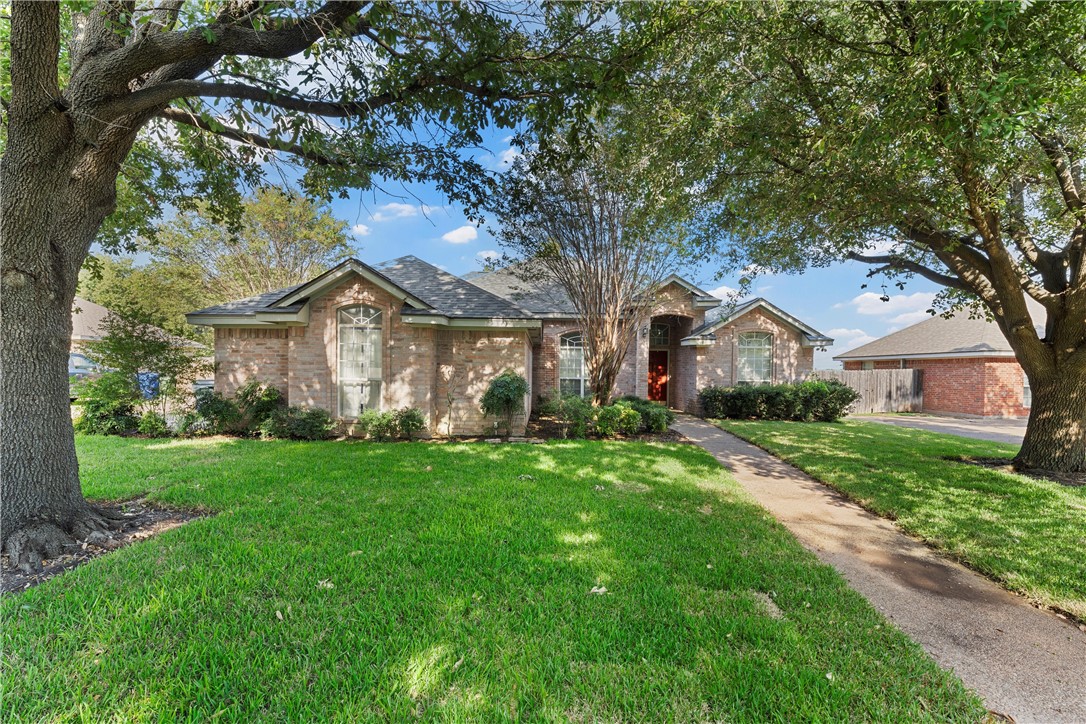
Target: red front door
(658, 375)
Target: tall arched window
(360, 354)
(755, 358)
(571, 368)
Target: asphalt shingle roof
(449, 295)
(446, 293)
(539, 297)
(249, 305)
(958, 335)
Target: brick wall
(982, 386)
(716, 364)
(245, 353)
(466, 363)
(417, 363)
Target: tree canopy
(940, 140)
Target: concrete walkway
(1022, 661)
(1001, 430)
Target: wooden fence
(881, 390)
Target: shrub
(298, 423)
(504, 397)
(655, 417)
(572, 413)
(153, 424)
(410, 421)
(377, 425)
(109, 405)
(256, 402)
(222, 414)
(821, 400)
(619, 418)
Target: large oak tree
(939, 140)
(114, 109)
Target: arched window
(571, 369)
(360, 354)
(755, 358)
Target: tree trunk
(1056, 432)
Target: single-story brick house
(405, 333)
(968, 366)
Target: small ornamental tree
(504, 398)
(131, 345)
(593, 224)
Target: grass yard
(1028, 534)
(356, 581)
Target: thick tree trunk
(1056, 432)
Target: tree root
(41, 540)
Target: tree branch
(908, 265)
(248, 138)
(219, 39)
(162, 93)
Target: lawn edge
(1075, 619)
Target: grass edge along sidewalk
(1024, 533)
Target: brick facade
(417, 364)
(980, 386)
(444, 371)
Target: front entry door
(658, 375)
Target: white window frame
(369, 321)
(1027, 393)
(571, 353)
(748, 342)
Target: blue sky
(420, 221)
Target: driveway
(996, 430)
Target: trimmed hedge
(628, 415)
(814, 400)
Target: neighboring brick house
(407, 334)
(968, 366)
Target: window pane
(571, 368)
(360, 359)
(569, 387)
(659, 334)
(755, 364)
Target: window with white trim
(360, 355)
(1027, 393)
(755, 365)
(571, 367)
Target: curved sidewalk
(1022, 661)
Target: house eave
(468, 323)
(1002, 354)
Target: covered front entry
(658, 374)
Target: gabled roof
(425, 290)
(722, 316)
(87, 319)
(547, 298)
(958, 336)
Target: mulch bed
(1073, 480)
(139, 522)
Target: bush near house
(298, 423)
(814, 400)
(504, 398)
(109, 405)
(629, 415)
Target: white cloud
(488, 256)
(844, 338)
(461, 235)
(396, 210)
(723, 292)
(508, 157)
(360, 230)
(900, 308)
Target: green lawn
(461, 589)
(1028, 534)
